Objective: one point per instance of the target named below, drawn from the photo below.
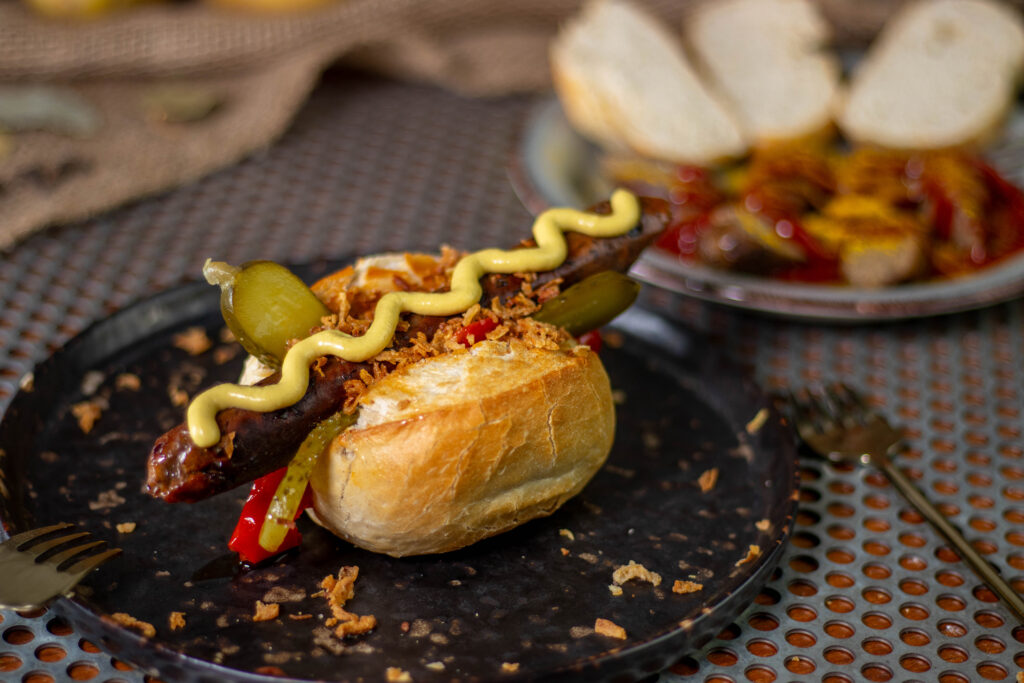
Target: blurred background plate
(555, 166)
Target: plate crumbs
(509, 667)
(127, 381)
(106, 499)
(176, 621)
(683, 587)
(568, 534)
(126, 527)
(396, 675)
(608, 628)
(434, 666)
(627, 572)
(762, 524)
(266, 611)
(192, 341)
(564, 551)
(757, 421)
(615, 590)
(222, 354)
(753, 552)
(300, 617)
(87, 413)
(128, 621)
(708, 479)
(338, 591)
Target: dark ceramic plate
(555, 166)
(527, 599)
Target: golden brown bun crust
(464, 446)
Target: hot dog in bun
(475, 410)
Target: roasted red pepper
(245, 538)
(591, 339)
(477, 329)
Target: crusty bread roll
(941, 74)
(624, 80)
(459, 447)
(766, 59)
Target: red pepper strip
(942, 210)
(1008, 194)
(245, 538)
(477, 329)
(681, 238)
(591, 339)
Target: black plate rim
(192, 299)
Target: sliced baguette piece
(624, 80)
(941, 74)
(766, 59)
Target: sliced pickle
(590, 303)
(264, 305)
(285, 504)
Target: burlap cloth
(263, 67)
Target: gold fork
(30, 576)
(838, 424)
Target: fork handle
(978, 563)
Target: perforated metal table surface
(865, 591)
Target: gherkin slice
(265, 305)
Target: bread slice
(624, 80)
(766, 59)
(941, 74)
(460, 447)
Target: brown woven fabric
(262, 67)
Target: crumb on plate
(509, 667)
(708, 479)
(757, 421)
(192, 341)
(753, 552)
(128, 621)
(266, 611)
(395, 675)
(128, 381)
(176, 620)
(627, 572)
(609, 628)
(126, 527)
(338, 591)
(683, 587)
(87, 413)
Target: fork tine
(809, 415)
(36, 533)
(89, 563)
(66, 555)
(849, 400)
(40, 548)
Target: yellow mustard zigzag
(550, 252)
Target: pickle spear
(285, 505)
(590, 303)
(265, 305)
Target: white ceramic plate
(555, 166)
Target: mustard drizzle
(550, 252)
